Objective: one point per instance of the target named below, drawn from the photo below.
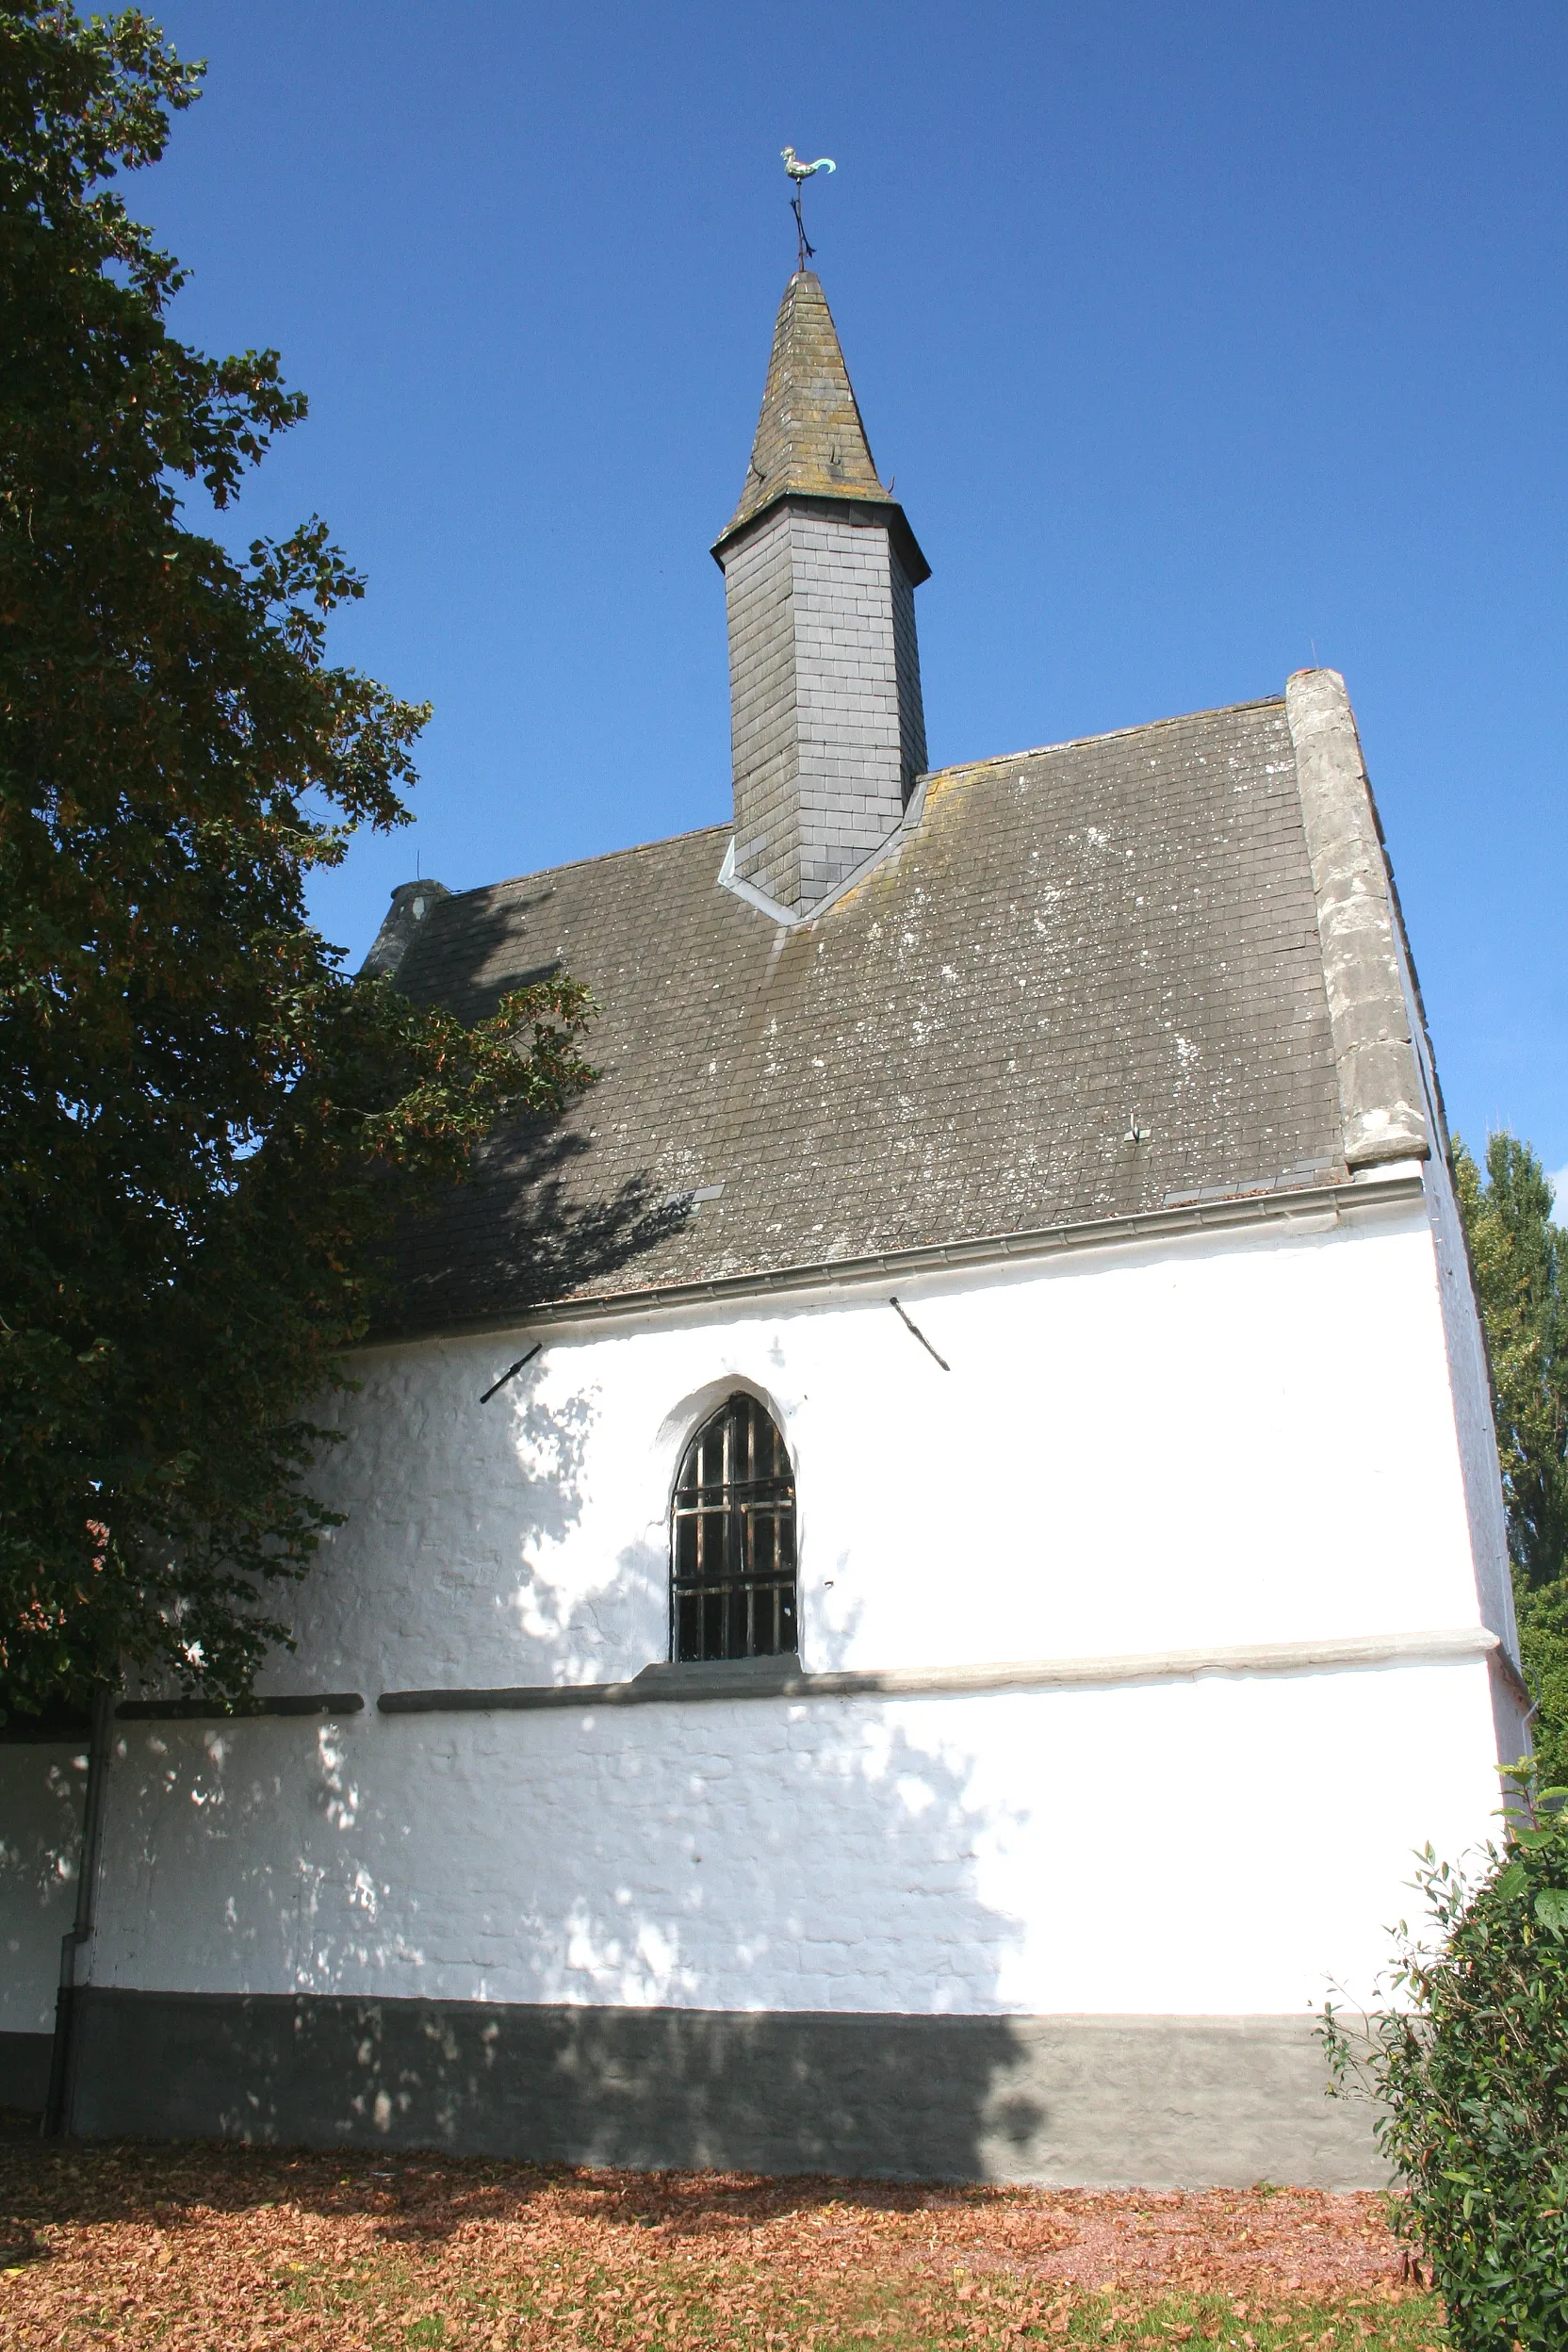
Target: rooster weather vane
(800, 172)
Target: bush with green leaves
(1469, 2063)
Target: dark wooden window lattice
(732, 1540)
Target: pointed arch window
(732, 1540)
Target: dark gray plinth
(1147, 2102)
(25, 2070)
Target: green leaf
(1551, 1908)
(210, 1129)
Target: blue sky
(1197, 339)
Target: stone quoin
(915, 1568)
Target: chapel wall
(42, 1788)
(1210, 1439)
(1469, 1376)
(1214, 1442)
(1225, 1846)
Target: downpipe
(59, 2103)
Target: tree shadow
(526, 1594)
(516, 1232)
(528, 1222)
(674, 1991)
(42, 1788)
(41, 1825)
(757, 1934)
(420, 2198)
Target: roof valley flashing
(1068, 988)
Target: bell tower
(820, 570)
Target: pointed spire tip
(810, 440)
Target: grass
(918, 2314)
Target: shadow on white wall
(637, 1901)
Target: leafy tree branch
(1520, 1257)
(207, 1130)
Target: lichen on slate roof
(810, 442)
(1072, 944)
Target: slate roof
(811, 441)
(1070, 942)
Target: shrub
(1470, 2064)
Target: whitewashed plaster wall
(41, 1792)
(1201, 1441)
(1227, 1846)
(1469, 1374)
(1243, 1438)
(1478, 1449)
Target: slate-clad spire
(809, 436)
(820, 570)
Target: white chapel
(915, 1568)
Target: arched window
(732, 1540)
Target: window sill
(716, 1678)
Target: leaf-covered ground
(201, 2248)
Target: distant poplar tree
(1520, 1255)
(206, 1128)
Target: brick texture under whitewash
(819, 572)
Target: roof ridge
(1111, 735)
(934, 776)
(599, 857)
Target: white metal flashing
(791, 918)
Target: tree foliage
(1520, 1257)
(1469, 2061)
(206, 1128)
(1520, 1262)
